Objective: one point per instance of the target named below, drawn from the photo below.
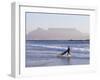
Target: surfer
(67, 51)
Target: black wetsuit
(68, 50)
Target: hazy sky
(45, 21)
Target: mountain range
(56, 34)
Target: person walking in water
(67, 51)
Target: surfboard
(69, 55)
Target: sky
(45, 21)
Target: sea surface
(45, 52)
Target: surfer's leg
(63, 53)
(68, 53)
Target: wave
(58, 47)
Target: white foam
(58, 47)
(81, 49)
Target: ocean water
(45, 52)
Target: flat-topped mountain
(56, 34)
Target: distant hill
(56, 34)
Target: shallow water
(44, 52)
